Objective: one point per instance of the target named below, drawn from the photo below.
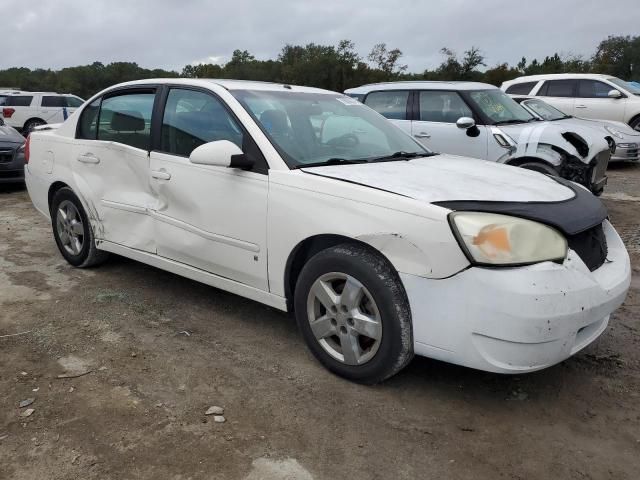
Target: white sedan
(308, 201)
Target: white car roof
(557, 76)
(228, 84)
(421, 85)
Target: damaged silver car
(479, 120)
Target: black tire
(540, 167)
(635, 123)
(31, 124)
(89, 255)
(376, 274)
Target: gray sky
(173, 33)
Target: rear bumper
(13, 171)
(518, 319)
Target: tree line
(335, 67)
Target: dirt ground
(161, 349)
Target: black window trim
(115, 92)
(261, 166)
(409, 107)
(545, 87)
(480, 120)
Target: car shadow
(7, 188)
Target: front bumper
(13, 170)
(626, 152)
(515, 320)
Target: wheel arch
(53, 188)
(31, 120)
(402, 255)
(634, 119)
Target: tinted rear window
(51, 101)
(521, 88)
(558, 88)
(18, 100)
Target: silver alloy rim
(344, 318)
(70, 227)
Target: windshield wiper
(505, 122)
(331, 161)
(401, 156)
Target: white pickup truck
(26, 110)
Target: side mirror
(466, 123)
(614, 94)
(221, 153)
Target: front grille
(591, 246)
(600, 168)
(6, 155)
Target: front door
(436, 128)
(593, 101)
(212, 218)
(112, 161)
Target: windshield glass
(626, 85)
(316, 128)
(544, 110)
(499, 107)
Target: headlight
(614, 132)
(493, 239)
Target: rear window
(521, 88)
(390, 104)
(18, 101)
(558, 88)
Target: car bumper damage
(515, 320)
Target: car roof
(421, 85)
(227, 84)
(557, 76)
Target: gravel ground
(150, 352)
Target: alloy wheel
(70, 227)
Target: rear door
(560, 93)
(437, 113)
(593, 101)
(393, 105)
(210, 217)
(111, 160)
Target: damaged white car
(479, 120)
(308, 201)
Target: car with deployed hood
(310, 202)
(478, 120)
(627, 140)
(12, 146)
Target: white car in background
(306, 200)
(627, 140)
(26, 110)
(599, 97)
(478, 120)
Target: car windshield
(544, 110)
(324, 129)
(629, 87)
(499, 107)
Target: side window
(88, 123)
(126, 118)
(53, 101)
(523, 88)
(73, 102)
(18, 101)
(558, 88)
(443, 107)
(192, 118)
(392, 105)
(593, 89)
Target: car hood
(600, 124)
(10, 135)
(576, 139)
(449, 177)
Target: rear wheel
(353, 313)
(72, 231)
(33, 123)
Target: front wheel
(72, 231)
(353, 312)
(540, 167)
(635, 123)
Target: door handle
(88, 158)
(422, 135)
(581, 106)
(161, 174)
